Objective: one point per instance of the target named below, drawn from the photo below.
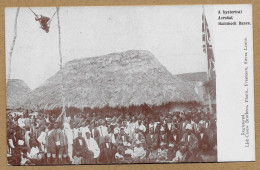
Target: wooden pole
(12, 46)
(61, 63)
(206, 48)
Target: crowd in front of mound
(187, 136)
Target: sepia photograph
(110, 85)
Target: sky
(173, 34)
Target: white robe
(41, 140)
(27, 139)
(93, 146)
(102, 131)
(70, 137)
(139, 152)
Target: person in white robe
(84, 130)
(139, 152)
(27, 138)
(102, 130)
(69, 134)
(75, 132)
(92, 145)
(21, 122)
(41, 139)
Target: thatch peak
(115, 57)
(116, 61)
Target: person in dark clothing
(81, 150)
(44, 22)
(107, 152)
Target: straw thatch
(16, 91)
(114, 80)
(193, 77)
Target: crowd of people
(186, 136)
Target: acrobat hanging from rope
(43, 20)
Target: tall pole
(61, 62)
(12, 46)
(206, 49)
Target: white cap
(142, 128)
(20, 142)
(189, 126)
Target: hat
(125, 143)
(138, 142)
(171, 144)
(20, 142)
(142, 128)
(188, 127)
(116, 131)
(162, 144)
(162, 129)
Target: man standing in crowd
(51, 141)
(63, 145)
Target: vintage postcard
(129, 84)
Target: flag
(207, 48)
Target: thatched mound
(114, 80)
(15, 93)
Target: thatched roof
(193, 77)
(15, 93)
(114, 80)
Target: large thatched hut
(16, 90)
(116, 80)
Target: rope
(33, 12)
(63, 112)
(52, 17)
(38, 17)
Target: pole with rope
(12, 46)
(206, 49)
(63, 112)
